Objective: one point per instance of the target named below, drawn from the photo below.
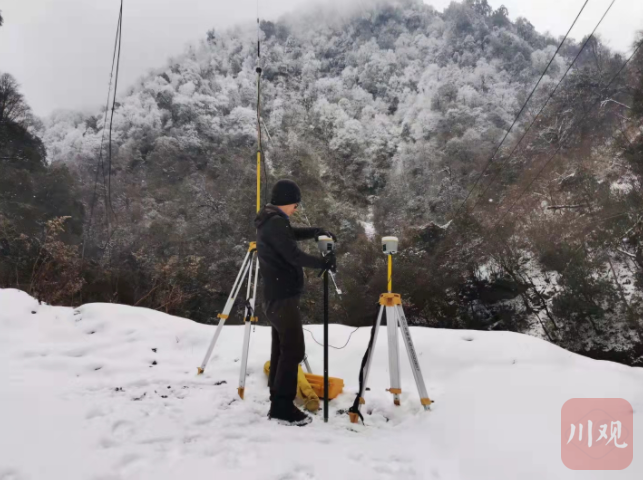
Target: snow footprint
(129, 463)
(300, 472)
(96, 412)
(11, 474)
(395, 466)
(122, 429)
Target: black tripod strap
(248, 305)
(355, 407)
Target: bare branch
(605, 102)
(560, 207)
(631, 255)
(12, 103)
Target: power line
(560, 146)
(118, 63)
(484, 170)
(102, 140)
(495, 176)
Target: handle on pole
(326, 346)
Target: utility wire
(593, 224)
(560, 146)
(100, 166)
(497, 173)
(484, 170)
(118, 63)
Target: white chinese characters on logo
(615, 434)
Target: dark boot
(287, 414)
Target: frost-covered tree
(385, 115)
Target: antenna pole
(259, 147)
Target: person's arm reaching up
(277, 230)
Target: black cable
(118, 63)
(341, 304)
(495, 176)
(341, 299)
(484, 170)
(331, 346)
(560, 146)
(354, 409)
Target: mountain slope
(349, 102)
(386, 115)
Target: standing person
(281, 264)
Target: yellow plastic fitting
(390, 299)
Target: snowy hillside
(110, 392)
(388, 116)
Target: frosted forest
(389, 118)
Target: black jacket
(280, 260)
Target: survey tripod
(249, 273)
(392, 304)
(249, 268)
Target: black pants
(288, 347)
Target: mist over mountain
(385, 115)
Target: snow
(621, 186)
(82, 398)
(368, 224)
(369, 229)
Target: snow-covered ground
(108, 392)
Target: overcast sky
(60, 50)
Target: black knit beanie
(285, 192)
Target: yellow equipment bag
(304, 391)
(310, 387)
(335, 385)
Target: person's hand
(323, 231)
(330, 263)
